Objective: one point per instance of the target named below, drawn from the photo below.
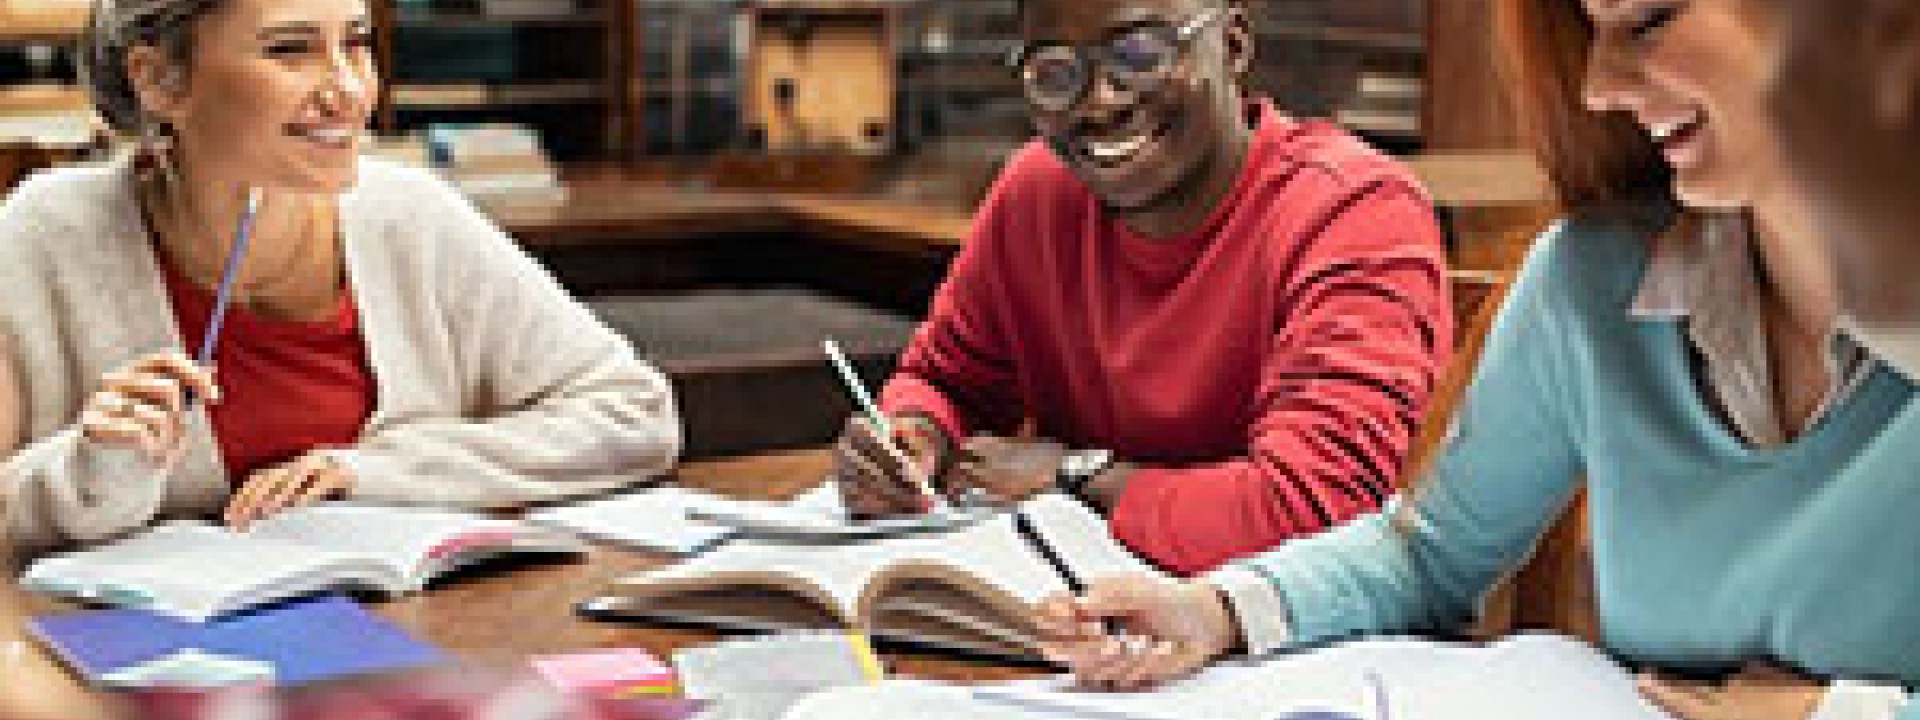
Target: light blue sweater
(1707, 553)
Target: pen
(1023, 526)
(851, 379)
(224, 296)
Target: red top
(1268, 372)
(286, 387)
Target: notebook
(302, 642)
(608, 673)
(965, 589)
(758, 678)
(197, 571)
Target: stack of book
(484, 158)
(47, 115)
(1384, 103)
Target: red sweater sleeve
(958, 369)
(1341, 395)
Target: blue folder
(305, 641)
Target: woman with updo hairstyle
(384, 343)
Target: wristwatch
(1080, 467)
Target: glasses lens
(1053, 76)
(1142, 54)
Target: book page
(415, 543)
(829, 575)
(1546, 675)
(1523, 678)
(1083, 538)
(1003, 571)
(196, 571)
(662, 519)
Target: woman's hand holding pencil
(1129, 632)
(143, 406)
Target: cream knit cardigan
(494, 386)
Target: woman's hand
(307, 479)
(1759, 692)
(873, 479)
(143, 406)
(1169, 628)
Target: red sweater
(1267, 372)
(286, 387)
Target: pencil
(851, 379)
(223, 297)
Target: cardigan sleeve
(62, 489)
(557, 403)
(56, 488)
(1424, 562)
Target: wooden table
(494, 619)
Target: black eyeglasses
(1136, 60)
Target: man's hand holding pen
(877, 480)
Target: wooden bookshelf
(15, 34)
(418, 18)
(678, 83)
(562, 73)
(480, 95)
(45, 119)
(686, 87)
(41, 21)
(1382, 40)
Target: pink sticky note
(620, 672)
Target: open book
(964, 589)
(198, 571)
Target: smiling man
(1218, 325)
